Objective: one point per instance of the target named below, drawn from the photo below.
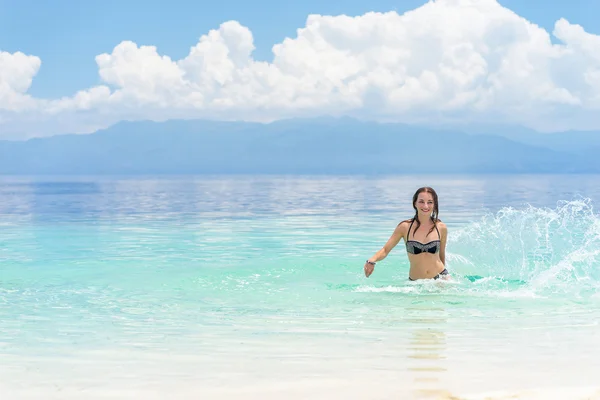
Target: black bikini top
(415, 247)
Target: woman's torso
(426, 243)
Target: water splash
(546, 250)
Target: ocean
(252, 287)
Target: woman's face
(425, 203)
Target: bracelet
(370, 262)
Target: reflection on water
(426, 350)
(461, 197)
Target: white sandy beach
(425, 364)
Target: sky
(75, 67)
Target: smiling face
(425, 203)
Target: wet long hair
(434, 214)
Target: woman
(425, 237)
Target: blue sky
(79, 66)
(68, 34)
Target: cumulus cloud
(447, 61)
(16, 74)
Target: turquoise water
(252, 287)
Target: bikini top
(415, 247)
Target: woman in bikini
(425, 237)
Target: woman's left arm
(444, 237)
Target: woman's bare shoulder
(403, 225)
(442, 226)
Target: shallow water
(227, 287)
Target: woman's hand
(369, 267)
(398, 234)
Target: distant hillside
(572, 141)
(315, 146)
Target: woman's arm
(385, 250)
(444, 237)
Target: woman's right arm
(385, 250)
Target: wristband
(370, 262)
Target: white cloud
(16, 74)
(449, 60)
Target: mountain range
(300, 146)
